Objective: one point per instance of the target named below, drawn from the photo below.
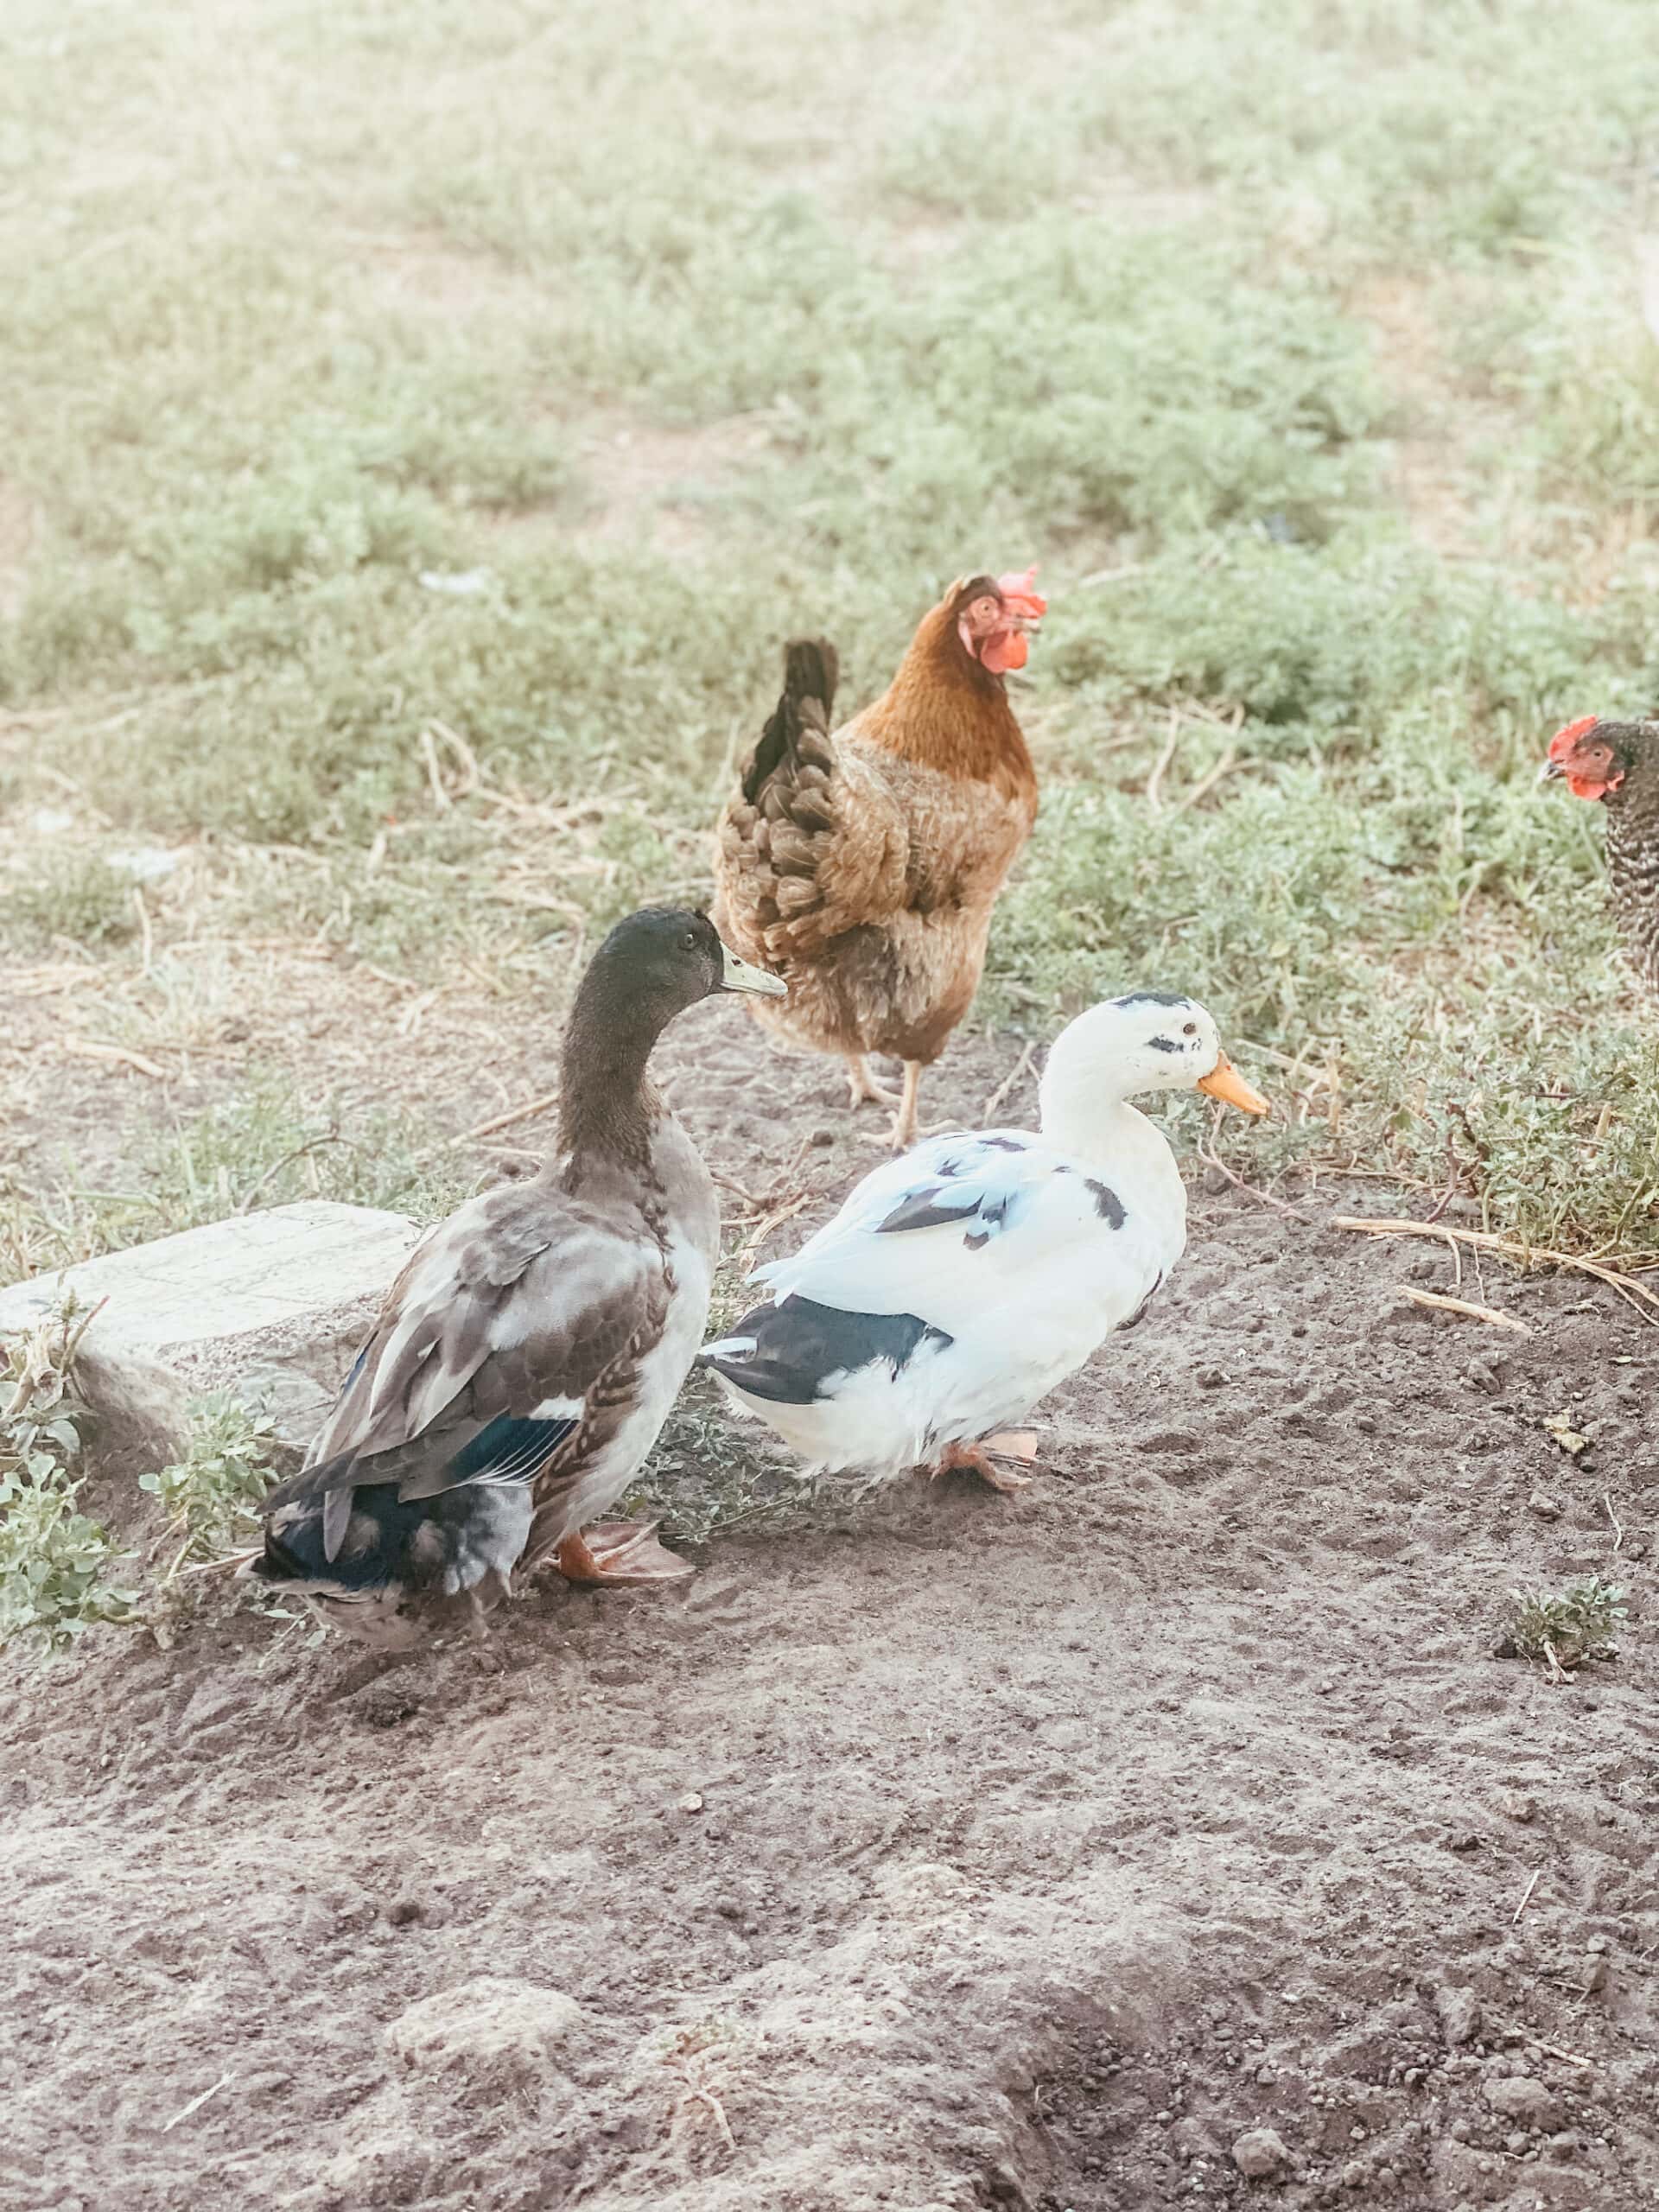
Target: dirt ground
(954, 1851)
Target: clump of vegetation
(58, 1566)
(710, 1476)
(211, 1495)
(68, 893)
(1565, 1630)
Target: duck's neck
(608, 1108)
(1114, 1137)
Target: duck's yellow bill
(738, 976)
(1224, 1081)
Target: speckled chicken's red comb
(1564, 739)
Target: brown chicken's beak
(1552, 772)
(1224, 1081)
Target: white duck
(958, 1285)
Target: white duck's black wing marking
(933, 1206)
(788, 1353)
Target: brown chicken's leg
(905, 1127)
(904, 1121)
(862, 1087)
(618, 1551)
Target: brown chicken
(862, 866)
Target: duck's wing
(500, 1345)
(949, 1229)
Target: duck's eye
(1190, 1029)
(689, 940)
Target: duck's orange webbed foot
(989, 1460)
(618, 1552)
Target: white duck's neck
(1081, 1118)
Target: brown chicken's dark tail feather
(810, 669)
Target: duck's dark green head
(665, 958)
(658, 962)
(653, 966)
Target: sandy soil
(955, 1851)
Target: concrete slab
(271, 1305)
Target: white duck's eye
(1190, 1029)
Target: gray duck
(527, 1356)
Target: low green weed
(1578, 1624)
(210, 1497)
(58, 1567)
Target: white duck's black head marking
(1152, 998)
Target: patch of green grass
(892, 327)
(1578, 1624)
(709, 1475)
(58, 1566)
(73, 894)
(263, 1146)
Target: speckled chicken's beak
(738, 976)
(1224, 1081)
(1552, 772)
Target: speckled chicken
(1618, 764)
(863, 864)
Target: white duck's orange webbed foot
(620, 1552)
(864, 1088)
(989, 1460)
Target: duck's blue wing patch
(505, 1451)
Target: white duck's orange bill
(1224, 1081)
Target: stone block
(271, 1305)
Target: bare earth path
(954, 1851)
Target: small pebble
(1546, 1507)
